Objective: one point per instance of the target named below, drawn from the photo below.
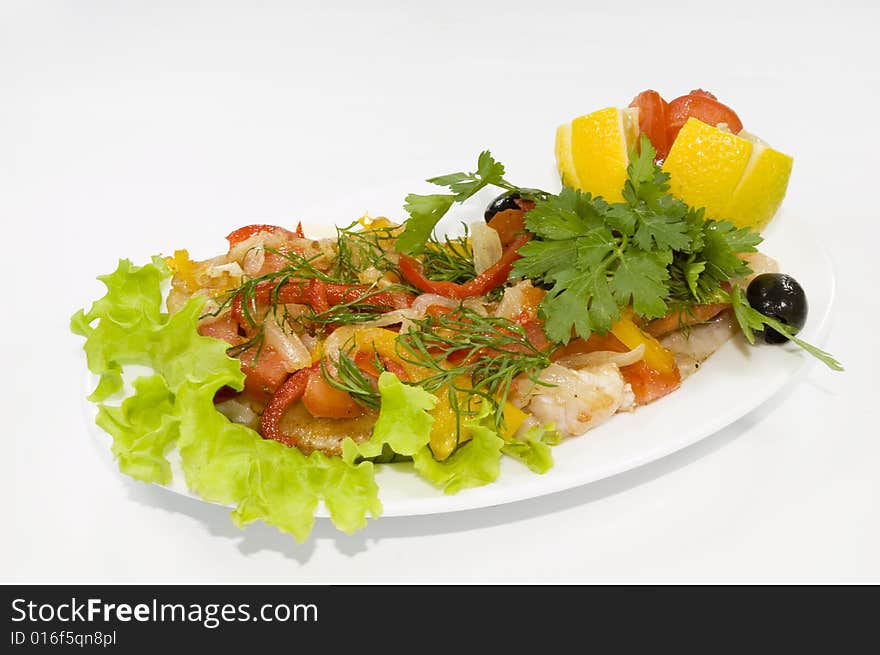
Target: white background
(129, 128)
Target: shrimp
(579, 400)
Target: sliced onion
(512, 301)
(420, 305)
(253, 261)
(406, 325)
(294, 354)
(238, 411)
(337, 339)
(391, 318)
(309, 341)
(603, 357)
(558, 375)
(259, 240)
(232, 268)
(370, 275)
(328, 248)
(486, 245)
(295, 310)
(475, 305)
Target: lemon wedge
(592, 152)
(735, 177)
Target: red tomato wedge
(263, 374)
(703, 106)
(323, 400)
(653, 121)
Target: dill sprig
(351, 379)
(298, 271)
(358, 250)
(488, 352)
(450, 260)
(357, 310)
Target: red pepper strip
(297, 291)
(287, 394)
(492, 277)
(316, 295)
(248, 231)
(299, 231)
(339, 294)
(366, 362)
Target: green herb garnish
(449, 260)
(426, 211)
(474, 356)
(750, 319)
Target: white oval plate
(733, 382)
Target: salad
(287, 368)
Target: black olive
(781, 297)
(508, 200)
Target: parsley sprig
(650, 252)
(426, 210)
(646, 251)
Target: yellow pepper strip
(656, 356)
(446, 433)
(183, 267)
(513, 419)
(367, 222)
(384, 342)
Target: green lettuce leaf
(228, 463)
(403, 424)
(143, 427)
(533, 449)
(473, 464)
(223, 462)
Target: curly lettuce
(231, 464)
(223, 462)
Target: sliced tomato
(649, 384)
(224, 328)
(653, 121)
(264, 374)
(246, 232)
(534, 329)
(323, 400)
(703, 106)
